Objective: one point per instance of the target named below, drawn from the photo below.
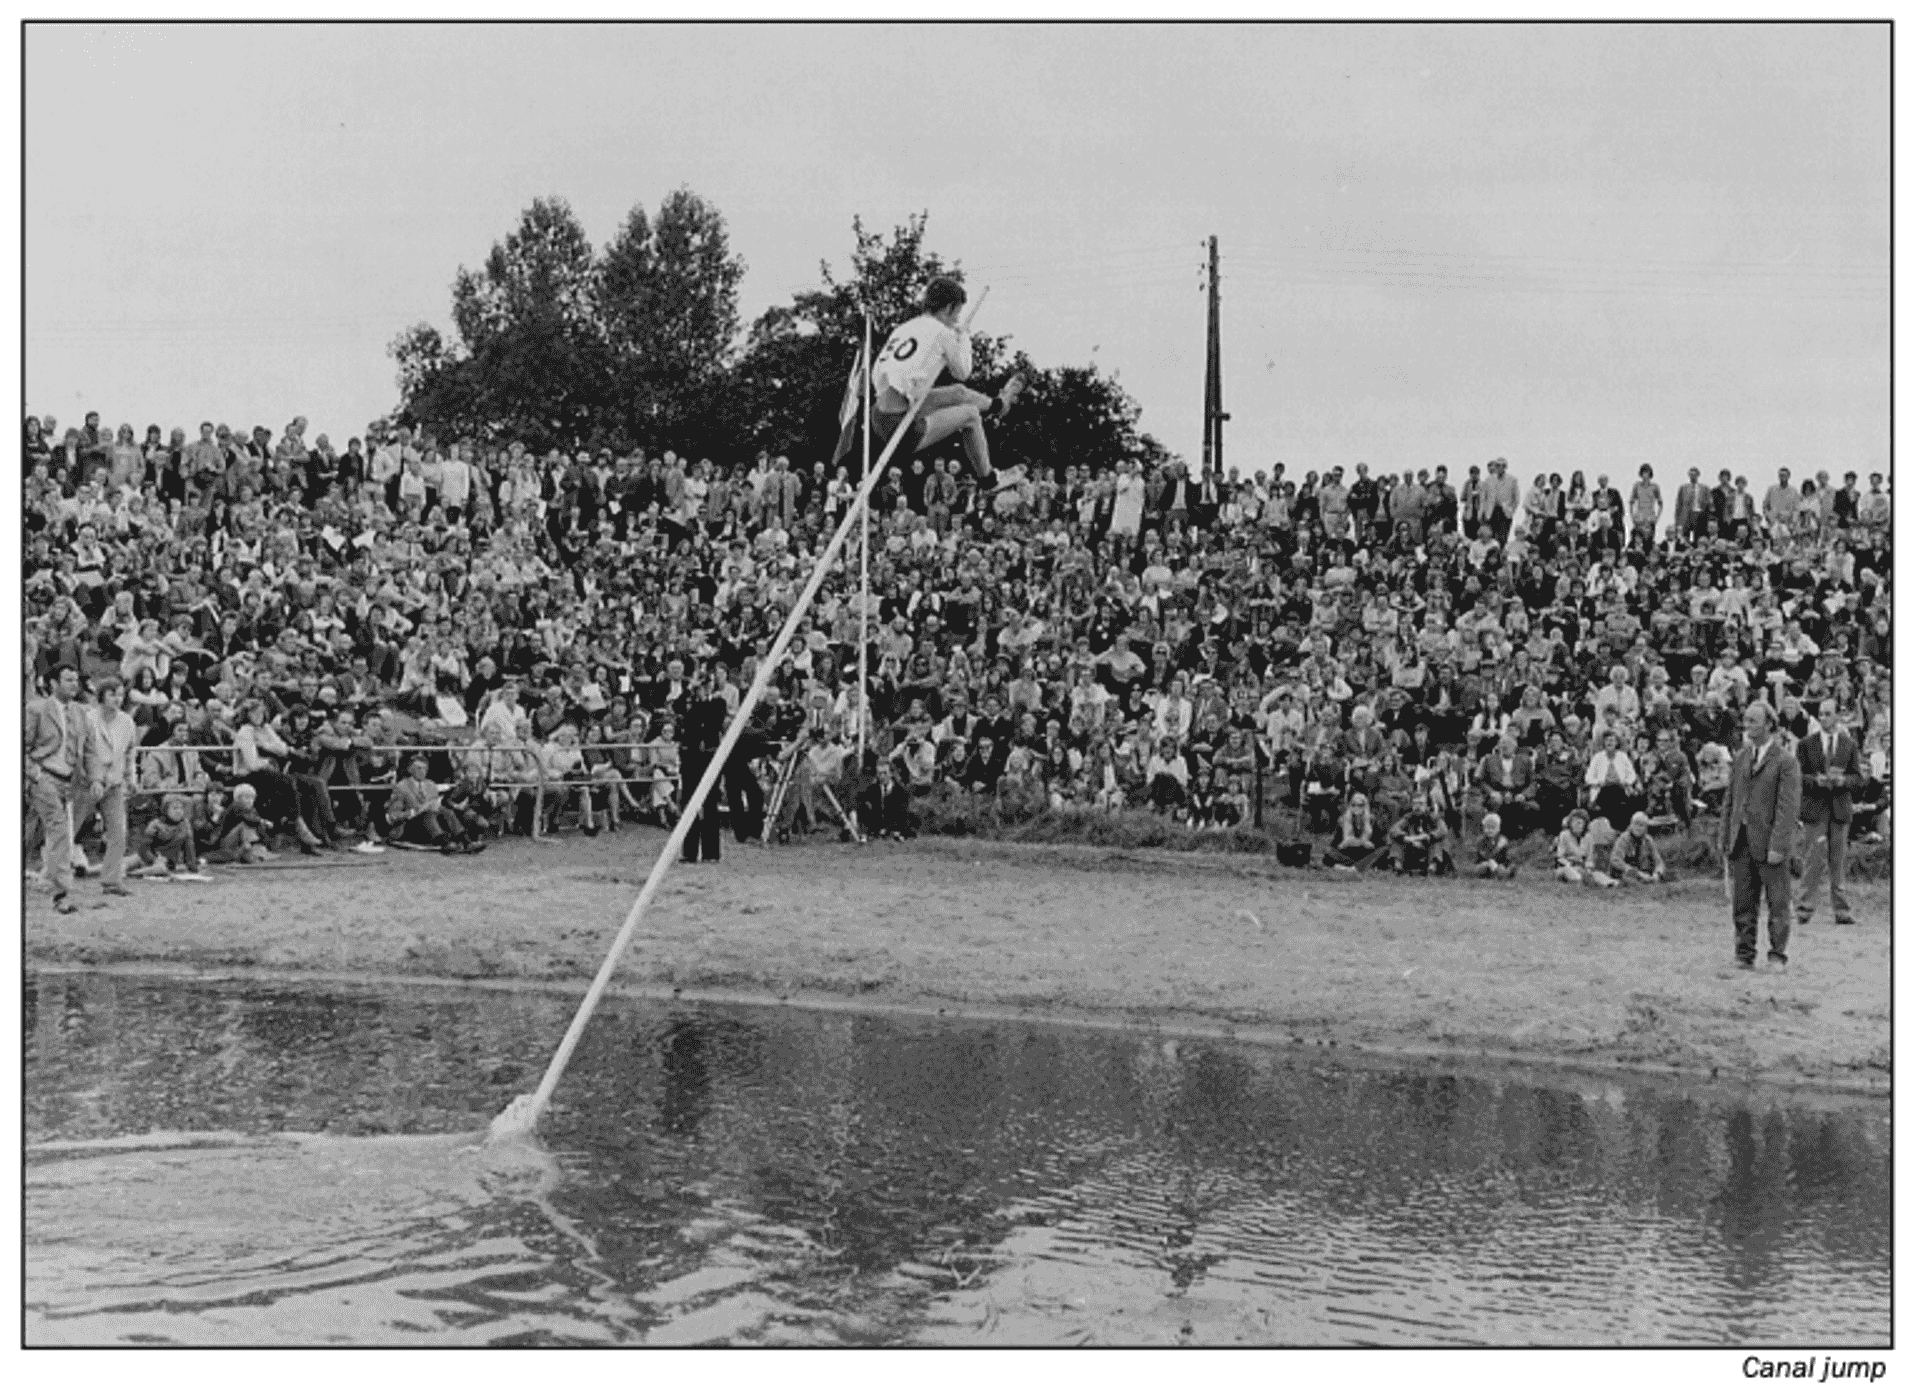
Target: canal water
(232, 1162)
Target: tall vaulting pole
(866, 463)
(520, 1116)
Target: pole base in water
(516, 1120)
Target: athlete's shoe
(1008, 396)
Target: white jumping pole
(866, 468)
(520, 1116)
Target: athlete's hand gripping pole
(520, 1116)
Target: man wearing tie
(1692, 507)
(1829, 773)
(1757, 828)
(56, 748)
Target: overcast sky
(1578, 247)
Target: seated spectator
(1419, 843)
(510, 586)
(1716, 772)
(1600, 840)
(415, 814)
(1873, 805)
(233, 830)
(1356, 843)
(1509, 787)
(168, 840)
(1573, 848)
(1634, 857)
(1323, 781)
(1613, 782)
(1167, 777)
(1492, 851)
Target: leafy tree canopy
(640, 345)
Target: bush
(1027, 817)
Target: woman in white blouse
(1613, 782)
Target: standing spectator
(56, 754)
(110, 777)
(1757, 829)
(1781, 504)
(706, 722)
(1829, 774)
(1643, 509)
(1692, 508)
(1502, 497)
(1129, 501)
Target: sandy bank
(1529, 970)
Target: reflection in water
(236, 1163)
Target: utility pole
(1213, 439)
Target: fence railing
(455, 756)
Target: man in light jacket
(109, 777)
(56, 745)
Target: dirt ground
(1531, 969)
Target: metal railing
(454, 755)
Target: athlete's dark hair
(941, 293)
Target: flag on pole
(852, 406)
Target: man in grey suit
(1758, 824)
(1829, 773)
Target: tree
(1074, 417)
(558, 346)
(533, 362)
(668, 298)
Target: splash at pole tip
(516, 1120)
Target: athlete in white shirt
(914, 355)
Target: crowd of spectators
(400, 639)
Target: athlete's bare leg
(958, 410)
(964, 421)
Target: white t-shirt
(912, 358)
(455, 481)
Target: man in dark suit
(700, 734)
(1829, 773)
(1757, 828)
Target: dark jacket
(1820, 803)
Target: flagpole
(866, 462)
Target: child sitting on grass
(169, 840)
(1584, 850)
(1634, 857)
(234, 830)
(1492, 851)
